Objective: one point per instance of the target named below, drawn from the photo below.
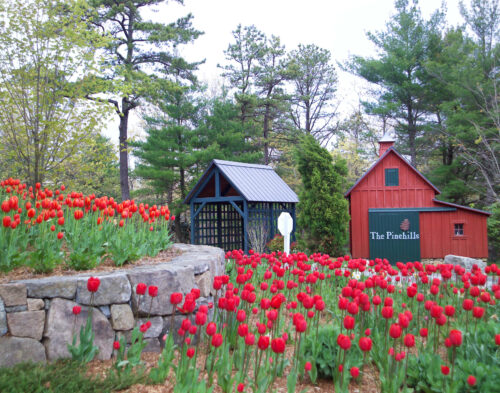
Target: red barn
(395, 215)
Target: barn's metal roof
(255, 183)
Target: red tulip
(200, 318)
(6, 221)
(349, 322)
(424, 332)
(141, 288)
(243, 330)
(387, 312)
(217, 340)
(497, 339)
(308, 366)
(449, 310)
(249, 339)
(263, 342)
(478, 312)
(395, 331)
(354, 372)
(278, 345)
(77, 310)
(467, 304)
(190, 353)
(445, 370)
(116, 345)
(176, 298)
(365, 344)
(211, 328)
(241, 315)
(456, 337)
(344, 342)
(153, 291)
(93, 284)
(471, 380)
(409, 340)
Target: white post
(285, 226)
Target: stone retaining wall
(37, 322)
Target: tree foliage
(323, 211)
(140, 59)
(314, 82)
(46, 125)
(404, 47)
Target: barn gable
(408, 176)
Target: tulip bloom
(153, 291)
(93, 284)
(217, 340)
(456, 337)
(471, 380)
(263, 342)
(478, 312)
(211, 329)
(349, 322)
(77, 310)
(445, 370)
(365, 344)
(278, 345)
(141, 289)
(344, 342)
(354, 372)
(395, 331)
(387, 312)
(409, 340)
(176, 298)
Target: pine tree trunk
(124, 155)
(266, 134)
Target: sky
(337, 25)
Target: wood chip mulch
(107, 265)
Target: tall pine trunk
(124, 154)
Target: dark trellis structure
(234, 202)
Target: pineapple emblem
(405, 225)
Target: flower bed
(302, 319)
(43, 228)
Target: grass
(63, 376)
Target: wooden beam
(217, 183)
(218, 199)
(202, 186)
(191, 206)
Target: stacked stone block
(37, 320)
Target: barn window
(459, 229)
(392, 177)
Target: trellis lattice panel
(265, 215)
(220, 225)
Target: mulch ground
(367, 384)
(107, 265)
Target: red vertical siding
(436, 228)
(438, 239)
(371, 192)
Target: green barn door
(394, 235)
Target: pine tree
(323, 211)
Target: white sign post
(285, 226)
